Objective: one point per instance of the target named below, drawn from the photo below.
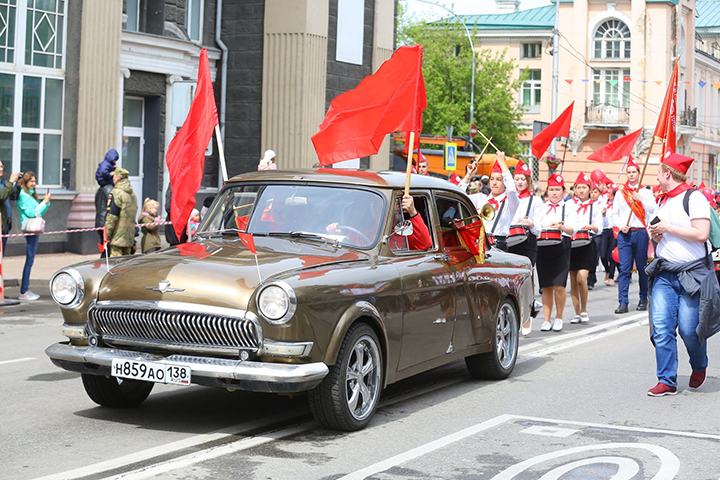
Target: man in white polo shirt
(685, 295)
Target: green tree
(447, 70)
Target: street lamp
(472, 52)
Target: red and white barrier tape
(76, 230)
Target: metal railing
(607, 115)
(688, 117)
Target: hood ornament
(164, 287)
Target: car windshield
(346, 215)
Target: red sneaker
(697, 379)
(660, 390)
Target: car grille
(181, 331)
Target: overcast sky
(463, 7)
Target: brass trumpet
(487, 213)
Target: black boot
(622, 308)
(642, 305)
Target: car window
(399, 243)
(452, 214)
(349, 215)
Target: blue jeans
(31, 249)
(673, 309)
(632, 245)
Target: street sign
(450, 156)
(473, 131)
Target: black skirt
(528, 248)
(583, 258)
(553, 264)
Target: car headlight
(67, 288)
(276, 302)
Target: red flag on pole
(666, 128)
(248, 240)
(390, 100)
(559, 128)
(186, 154)
(617, 149)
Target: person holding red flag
(638, 204)
(553, 261)
(503, 198)
(685, 295)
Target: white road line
(426, 448)
(17, 360)
(214, 452)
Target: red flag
(248, 241)
(559, 128)
(473, 238)
(186, 154)
(666, 128)
(616, 149)
(101, 247)
(390, 100)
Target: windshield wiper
(303, 234)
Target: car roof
(384, 178)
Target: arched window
(612, 40)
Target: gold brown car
(337, 301)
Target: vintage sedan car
(334, 302)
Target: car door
(427, 280)
(476, 290)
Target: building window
(531, 50)
(44, 33)
(350, 31)
(611, 87)
(193, 19)
(530, 160)
(7, 30)
(530, 90)
(612, 40)
(133, 15)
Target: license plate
(151, 371)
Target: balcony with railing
(688, 117)
(607, 115)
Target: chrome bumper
(218, 372)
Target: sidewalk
(43, 267)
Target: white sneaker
(575, 319)
(28, 296)
(584, 317)
(546, 326)
(527, 327)
(557, 325)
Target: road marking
(17, 360)
(627, 467)
(549, 431)
(214, 452)
(426, 448)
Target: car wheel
(116, 392)
(500, 362)
(348, 396)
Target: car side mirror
(404, 228)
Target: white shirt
(621, 209)
(533, 215)
(509, 198)
(676, 249)
(549, 215)
(582, 215)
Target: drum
(491, 239)
(549, 238)
(518, 234)
(581, 238)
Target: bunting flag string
(659, 83)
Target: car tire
(342, 402)
(500, 362)
(116, 392)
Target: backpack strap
(686, 201)
(527, 214)
(497, 218)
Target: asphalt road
(575, 408)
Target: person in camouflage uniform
(121, 212)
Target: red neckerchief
(524, 194)
(636, 207)
(583, 207)
(683, 187)
(552, 207)
(494, 203)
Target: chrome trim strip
(307, 346)
(274, 373)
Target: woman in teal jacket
(30, 206)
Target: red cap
(583, 179)
(454, 178)
(632, 163)
(556, 180)
(613, 187)
(522, 169)
(678, 162)
(496, 168)
(702, 185)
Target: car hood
(222, 273)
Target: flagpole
(258, 268)
(221, 152)
(105, 246)
(647, 159)
(411, 147)
(562, 165)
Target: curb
(15, 282)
